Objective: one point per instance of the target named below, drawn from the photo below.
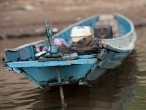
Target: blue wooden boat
(83, 70)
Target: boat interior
(102, 27)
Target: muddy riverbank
(26, 17)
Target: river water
(122, 88)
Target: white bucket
(79, 32)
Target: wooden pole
(63, 104)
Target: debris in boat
(37, 55)
(84, 46)
(58, 57)
(40, 48)
(64, 49)
(59, 42)
(55, 55)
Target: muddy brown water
(119, 89)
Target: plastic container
(80, 32)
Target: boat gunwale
(51, 63)
(25, 45)
(131, 25)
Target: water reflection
(116, 91)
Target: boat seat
(109, 20)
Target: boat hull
(81, 74)
(79, 71)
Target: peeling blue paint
(50, 63)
